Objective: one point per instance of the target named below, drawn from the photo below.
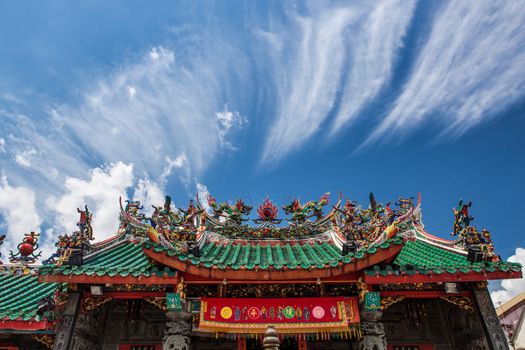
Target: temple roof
(124, 261)
(277, 260)
(19, 297)
(424, 258)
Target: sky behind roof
(249, 99)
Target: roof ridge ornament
(479, 244)
(26, 250)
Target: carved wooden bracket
(47, 339)
(464, 303)
(386, 302)
(91, 303)
(159, 302)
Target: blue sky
(248, 99)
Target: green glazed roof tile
(20, 294)
(427, 258)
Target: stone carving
(177, 335)
(373, 332)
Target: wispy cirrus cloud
(150, 113)
(334, 62)
(469, 68)
(130, 131)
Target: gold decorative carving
(272, 291)
(159, 302)
(411, 286)
(464, 303)
(386, 302)
(47, 339)
(137, 288)
(363, 289)
(91, 303)
(482, 284)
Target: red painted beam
(128, 295)
(417, 294)
(444, 277)
(85, 279)
(21, 325)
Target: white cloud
(149, 193)
(373, 50)
(510, 287)
(19, 212)
(100, 192)
(470, 68)
(24, 158)
(148, 112)
(202, 194)
(2, 145)
(228, 120)
(178, 163)
(310, 67)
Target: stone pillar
(373, 331)
(489, 320)
(66, 326)
(177, 335)
(271, 340)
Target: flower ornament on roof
(267, 213)
(26, 250)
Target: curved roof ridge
(210, 236)
(445, 244)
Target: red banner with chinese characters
(287, 315)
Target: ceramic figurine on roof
(26, 250)
(317, 206)
(232, 213)
(300, 213)
(84, 224)
(462, 217)
(190, 216)
(470, 237)
(64, 245)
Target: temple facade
(326, 276)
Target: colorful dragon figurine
(301, 213)
(232, 213)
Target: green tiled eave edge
(256, 255)
(124, 259)
(19, 296)
(428, 259)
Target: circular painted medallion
(254, 313)
(289, 312)
(226, 312)
(318, 312)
